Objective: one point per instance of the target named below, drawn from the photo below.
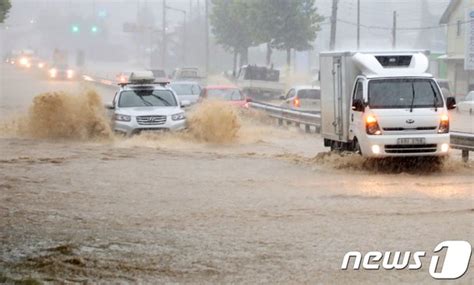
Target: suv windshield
(185, 89)
(225, 94)
(404, 93)
(146, 98)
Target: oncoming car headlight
(178, 117)
(123, 118)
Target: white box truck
(383, 104)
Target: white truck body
(382, 104)
(260, 82)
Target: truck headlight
(123, 118)
(372, 126)
(178, 117)
(444, 124)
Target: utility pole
(394, 30)
(332, 42)
(206, 24)
(184, 30)
(358, 24)
(190, 10)
(184, 38)
(163, 37)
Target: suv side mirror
(358, 105)
(109, 106)
(451, 103)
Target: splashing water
(59, 115)
(214, 122)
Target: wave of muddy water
(59, 115)
(266, 206)
(212, 127)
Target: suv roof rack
(144, 78)
(158, 82)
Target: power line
(405, 28)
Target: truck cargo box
(337, 76)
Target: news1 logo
(456, 260)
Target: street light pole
(184, 30)
(163, 37)
(207, 35)
(394, 30)
(332, 41)
(358, 24)
(184, 39)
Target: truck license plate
(411, 141)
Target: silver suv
(143, 105)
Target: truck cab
(383, 104)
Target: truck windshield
(146, 98)
(404, 93)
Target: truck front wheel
(356, 147)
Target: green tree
(5, 6)
(266, 24)
(297, 25)
(232, 25)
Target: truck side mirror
(358, 105)
(451, 103)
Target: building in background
(459, 18)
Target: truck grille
(409, 129)
(414, 148)
(151, 120)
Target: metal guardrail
(289, 116)
(464, 142)
(461, 141)
(98, 80)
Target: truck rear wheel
(337, 146)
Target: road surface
(270, 207)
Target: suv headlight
(123, 118)
(178, 117)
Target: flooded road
(269, 207)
